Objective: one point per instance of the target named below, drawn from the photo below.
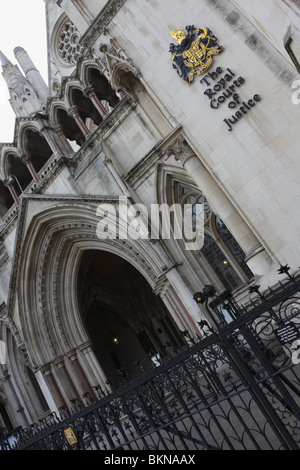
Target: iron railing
(232, 387)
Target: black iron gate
(234, 386)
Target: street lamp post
(223, 306)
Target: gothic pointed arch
(52, 249)
(68, 85)
(102, 86)
(59, 115)
(125, 320)
(92, 76)
(15, 168)
(126, 79)
(84, 105)
(84, 66)
(9, 188)
(220, 261)
(116, 64)
(3, 158)
(32, 144)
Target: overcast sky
(23, 24)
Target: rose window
(69, 48)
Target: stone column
(49, 135)
(90, 93)
(62, 142)
(27, 160)
(74, 113)
(257, 258)
(86, 387)
(13, 192)
(65, 380)
(20, 408)
(44, 385)
(54, 388)
(179, 292)
(96, 373)
(31, 73)
(183, 297)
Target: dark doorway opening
(125, 320)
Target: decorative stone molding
(79, 232)
(17, 336)
(101, 23)
(26, 158)
(51, 253)
(112, 58)
(136, 175)
(111, 120)
(181, 150)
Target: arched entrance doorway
(125, 320)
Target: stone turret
(3, 59)
(27, 94)
(31, 73)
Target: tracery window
(220, 249)
(69, 47)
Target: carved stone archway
(47, 269)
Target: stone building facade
(117, 122)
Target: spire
(27, 94)
(4, 60)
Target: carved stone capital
(8, 182)
(89, 91)
(26, 158)
(73, 111)
(181, 150)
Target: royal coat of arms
(194, 51)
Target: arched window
(70, 128)
(69, 48)
(37, 148)
(17, 169)
(220, 250)
(102, 88)
(87, 111)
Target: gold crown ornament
(178, 34)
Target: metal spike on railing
(77, 403)
(252, 302)
(255, 289)
(64, 412)
(138, 364)
(271, 290)
(204, 324)
(243, 308)
(110, 386)
(184, 333)
(285, 270)
(55, 417)
(42, 421)
(99, 390)
(123, 373)
(87, 397)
